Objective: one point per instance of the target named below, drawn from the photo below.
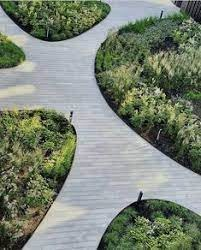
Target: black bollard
(140, 196)
(161, 16)
(71, 117)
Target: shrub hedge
(56, 20)
(36, 151)
(150, 72)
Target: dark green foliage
(56, 20)
(152, 73)
(10, 54)
(10, 6)
(36, 152)
(193, 95)
(154, 225)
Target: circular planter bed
(56, 20)
(153, 224)
(36, 151)
(150, 73)
(10, 54)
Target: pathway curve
(112, 163)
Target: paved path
(112, 163)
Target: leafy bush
(10, 54)
(176, 73)
(193, 95)
(36, 152)
(150, 72)
(60, 163)
(153, 225)
(56, 20)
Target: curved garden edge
(42, 144)
(153, 215)
(28, 31)
(108, 78)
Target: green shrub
(38, 192)
(9, 232)
(188, 35)
(175, 72)
(30, 142)
(60, 163)
(193, 95)
(10, 54)
(153, 225)
(119, 81)
(56, 20)
(150, 71)
(148, 108)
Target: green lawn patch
(10, 54)
(56, 20)
(150, 73)
(36, 151)
(153, 224)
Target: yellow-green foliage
(59, 165)
(173, 71)
(56, 20)
(36, 151)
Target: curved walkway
(112, 163)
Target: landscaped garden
(150, 73)
(153, 224)
(10, 54)
(36, 151)
(56, 20)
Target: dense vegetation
(10, 54)
(154, 225)
(150, 72)
(56, 20)
(36, 151)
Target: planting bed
(56, 20)
(150, 73)
(153, 224)
(36, 151)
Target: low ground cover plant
(56, 20)
(150, 72)
(153, 224)
(10, 54)
(36, 151)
